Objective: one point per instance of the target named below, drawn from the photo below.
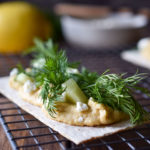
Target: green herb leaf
(115, 91)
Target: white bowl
(115, 30)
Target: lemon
(20, 22)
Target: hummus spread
(96, 114)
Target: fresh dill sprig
(51, 76)
(51, 96)
(20, 68)
(43, 49)
(115, 91)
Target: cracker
(134, 57)
(76, 134)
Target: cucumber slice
(73, 92)
(22, 78)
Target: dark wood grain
(4, 143)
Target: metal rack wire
(26, 132)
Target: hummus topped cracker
(90, 114)
(74, 97)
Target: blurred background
(90, 31)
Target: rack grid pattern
(26, 132)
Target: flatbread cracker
(134, 57)
(76, 134)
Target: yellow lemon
(20, 22)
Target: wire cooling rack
(26, 132)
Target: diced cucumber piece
(22, 78)
(73, 92)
